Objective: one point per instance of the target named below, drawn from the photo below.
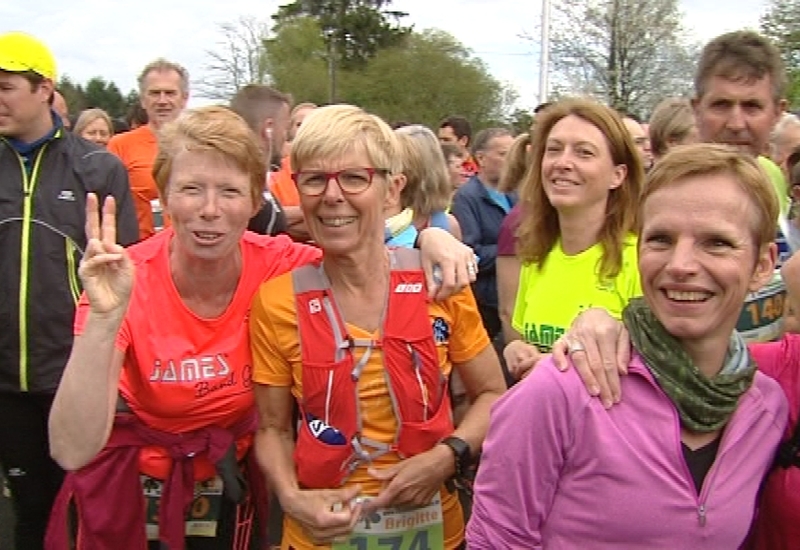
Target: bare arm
(274, 444)
(83, 409)
(507, 284)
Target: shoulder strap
(405, 259)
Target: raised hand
(106, 270)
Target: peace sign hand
(106, 270)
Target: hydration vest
(417, 387)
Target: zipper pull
(701, 515)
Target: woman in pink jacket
(678, 463)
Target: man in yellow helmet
(45, 174)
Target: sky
(116, 39)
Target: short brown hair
(671, 122)
(539, 227)
(741, 55)
(256, 102)
(706, 159)
(211, 129)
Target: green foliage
(781, 24)
(520, 121)
(356, 30)
(96, 93)
(427, 77)
(628, 53)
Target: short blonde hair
(212, 129)
(670, 124)
(90, 115)
(428, 188)
(707, 159)
(336, 130)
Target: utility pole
(330, 36)
(544, 61)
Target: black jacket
(42, 237)
(270, 219)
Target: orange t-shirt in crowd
(282, 186)
(277, 362)
(183, 372)
(138, 149)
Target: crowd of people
(272, 324)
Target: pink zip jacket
(559, 471)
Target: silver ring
(471, 268)
(573, 346)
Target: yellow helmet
(20, 52)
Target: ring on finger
(574, 346)
(471, 269)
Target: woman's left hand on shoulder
(449, 264)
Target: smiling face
(344, 223)
(209, 202)
(699, 257)
(577, 168)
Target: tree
(629, 53)
(73, 94)
(106, 96)
(781, 24)
(238, 61)
(357, 28)
(354, 31)
(520, 120)
(96, 93)
(428, 76)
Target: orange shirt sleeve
(282, 186)
(468, 337)
(272, 317)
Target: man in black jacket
(45, 174)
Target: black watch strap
(461, 453)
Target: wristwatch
(461, 454)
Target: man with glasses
(45, 174)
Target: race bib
(761, 318)
(392, 529)
(201, 521)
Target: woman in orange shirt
(352, 340)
